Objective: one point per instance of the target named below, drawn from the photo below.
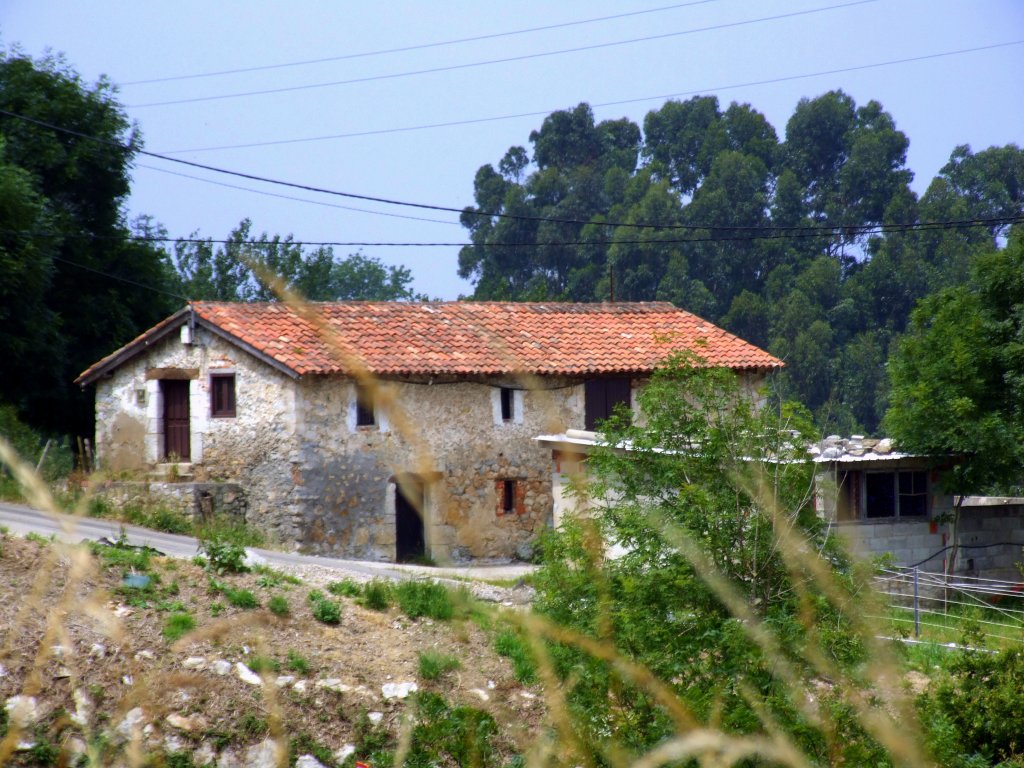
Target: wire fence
(951, 609)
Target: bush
(378, 595)
(433, 664)
(223, 555)
(241, 598)
(344, 588)
(327, 611)
(177, 625)
(278, 605)
(315, 596)
(446, 735)
(424, 598)
(973, 715)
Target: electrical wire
(418, 47)
(598, 105)
(765, 233)
(292, 197)
(503, 60)
(122, 279)
(812, 231)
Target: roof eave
(157, 333)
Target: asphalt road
(21, 520)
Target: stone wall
(255, 448)
(193, 500)
(447, 436)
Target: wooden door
(177, 440)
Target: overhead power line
(814, 230)
(417, 47)
(504, 60)
(721, 234)
(616, 103)
(292, 197)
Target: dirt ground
(91, 651)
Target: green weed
(512, 646)
(433, 664)
(345, 588)
(241, 598)
(327, 611)
(297, 663)
(424, 598)
(278, 605)
(177, 625)
(378, 595)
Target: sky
(364, 117)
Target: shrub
(378, 595)
(433, 664)
(223, 555)
(327, 611)
(241, 598)
(261, 664)
(177, 625)
(278, 605)
(314, 596)
(446, 735)
(344, 588)
(424, 598)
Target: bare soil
(91, 650)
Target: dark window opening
(410, 542)
(601, 396)
(364, 407)
(896, 494)
(508, 496)
(506, 403)
(222, 395)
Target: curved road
(21, 520)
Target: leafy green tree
(711, 489)
(77, 277)
(239, 270)
(957, 376)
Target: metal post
(917, 605)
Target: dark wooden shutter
(601, 396)
(177, 438)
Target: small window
(222, 395)
(913, 494)
(507, 395)
(508, 501)
(364, 407)
(600, 398)
(511, 497)
(896, 494)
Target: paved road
(21, 520)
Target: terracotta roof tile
(464, 338)
(482, 337)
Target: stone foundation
(193, 500)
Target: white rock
(3, 671)
(180, 722)
(397, 690)
(300, 686)
(308, 761)
(490, 685)
(75, 747)
(128, 680)
(262, 755)
(480, 693)
(22, 710)
(246, 675)
(375, 717)
(145, 653)
(123, 610)
(194, 662)
(527, 695)
(342, 754)
(283, 681)
(229, 759)
(221, 667)
(58, 651)
(333, 684)
(174, 743)
(205, 755)
(131, 723)
(98, 650)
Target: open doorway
(409, 540)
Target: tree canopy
(566, 222)
(957, 376)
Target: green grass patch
(270, 578)
(177, 625)
(304, 744)
(261, 664)
(278, 605)
(345, 588)
(327, 611)
(241, 598)
(378, 595)
(424, 598)
(297, 663)
(434, 664)
(513, 646)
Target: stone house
(385, 431)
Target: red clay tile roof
(475, 337)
